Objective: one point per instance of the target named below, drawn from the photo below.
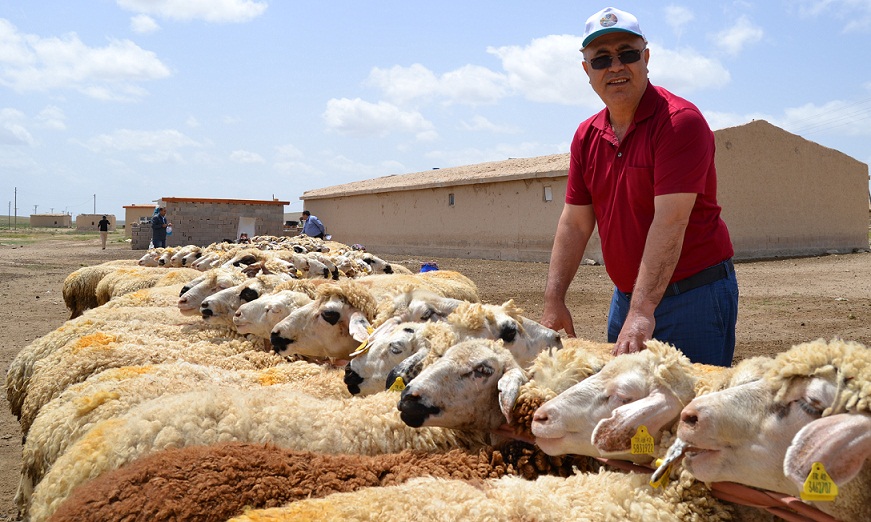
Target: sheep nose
(352, 380)
(207, 312)
(279, 343)
(238, 314)
(689, 415)
(540, 416)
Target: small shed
(202, 221)
(89, 222)
(137, 214)
(781, 195)
(59, 220)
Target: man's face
(619, 84)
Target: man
(311, 225)
(643, 170)
(103, 225)
(158, 228)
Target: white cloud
(12, 128)
(143, 24)
(469, 85)
(52, 117)
(32, 63)
(192, 122)
(287, 152)
(548, 70)
(217, 11)
(365, 119)
(733, 39)
(855, 14)
(685, 70)
(162, 143)
(677, 16)
(835, 117)
(245, 156)
(480, 123)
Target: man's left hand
(637, 328)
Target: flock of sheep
(298, 379)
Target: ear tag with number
(664, 477)
(819, 486)
(642, 442)
(398, 385)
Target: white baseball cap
(610, 20)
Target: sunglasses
(626, 57)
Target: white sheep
(129, 279)
(605, 496)
(762, 431)
(279, 415)
(322, 328)
(214, 280)
(260, 316)
(220, 307)
(80, 287)
(115, 391)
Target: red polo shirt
(668, 149)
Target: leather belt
(706, 276)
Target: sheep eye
(426, 315)
(482, 370)
(811, 409)
(395, 348)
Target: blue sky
(127, 101)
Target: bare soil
(782, 302)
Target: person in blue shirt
(312, 226)
(158, 228)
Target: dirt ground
(782, 302)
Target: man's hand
(557, 317)
(637, 328)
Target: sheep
(260, 316)
(219, 481)
(80, 287)
(126, 280)
(114, 391)
(278, 414)
(92, 354)
(220, 307)
(22, 367)
(604, 496)
(600, 415)
(762, 430)
(193, 293)
(395, 342)
(182, 254)
(322, 328)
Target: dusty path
(782, 302)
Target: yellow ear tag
(398, 385)
(642, 442)
(360, 349)
(299, 274)
(664, 479)
(819, 486)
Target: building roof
(555, 165)
(227, 201)
(141, 205)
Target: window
(451, 199)
(548, 194)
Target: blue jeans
(699, 322)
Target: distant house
(202, 221)
(136, 214)
(59, 220)
(781, 194)
(90, 222)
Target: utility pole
(95, 203)
(34, 208)
(15, 223)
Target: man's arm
(576, 224)
(661, 253)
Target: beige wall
(51, 220)
(132, 214)
(89, 221)
(781, 196)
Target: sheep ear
(359, 327)
(657, 410)
(509, 388)
(842, 443)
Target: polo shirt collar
(646, 108)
